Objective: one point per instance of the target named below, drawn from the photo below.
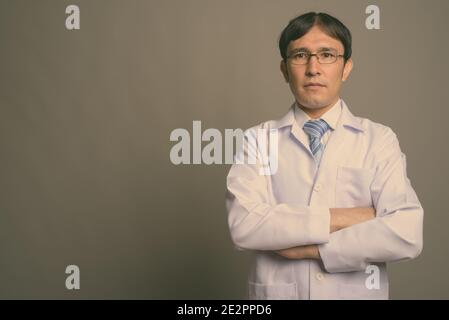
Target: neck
(316, 113)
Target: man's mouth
(314, 85)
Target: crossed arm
(340, 218)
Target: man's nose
(313, 66)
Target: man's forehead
(314, 40)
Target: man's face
(329, 76)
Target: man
(340, 204)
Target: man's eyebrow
(304, 49)
(326, 49)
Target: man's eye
(327, 55)
(300, 55)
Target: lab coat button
(317, 187)
(319, 276)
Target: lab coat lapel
(302, 137)
(297, 132)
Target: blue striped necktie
(315, 130)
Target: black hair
(300, 25)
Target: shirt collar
(346, 118)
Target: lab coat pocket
(279, 291)
(352, 188)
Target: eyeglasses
(324, 57)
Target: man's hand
(346, 217)
(301, 252)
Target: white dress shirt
(362, 165)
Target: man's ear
(347, 69)
(284, 71)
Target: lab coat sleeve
(396, 234)
(255, 223)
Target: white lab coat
(362, 165)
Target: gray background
(85, 119)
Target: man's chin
(312, 104)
